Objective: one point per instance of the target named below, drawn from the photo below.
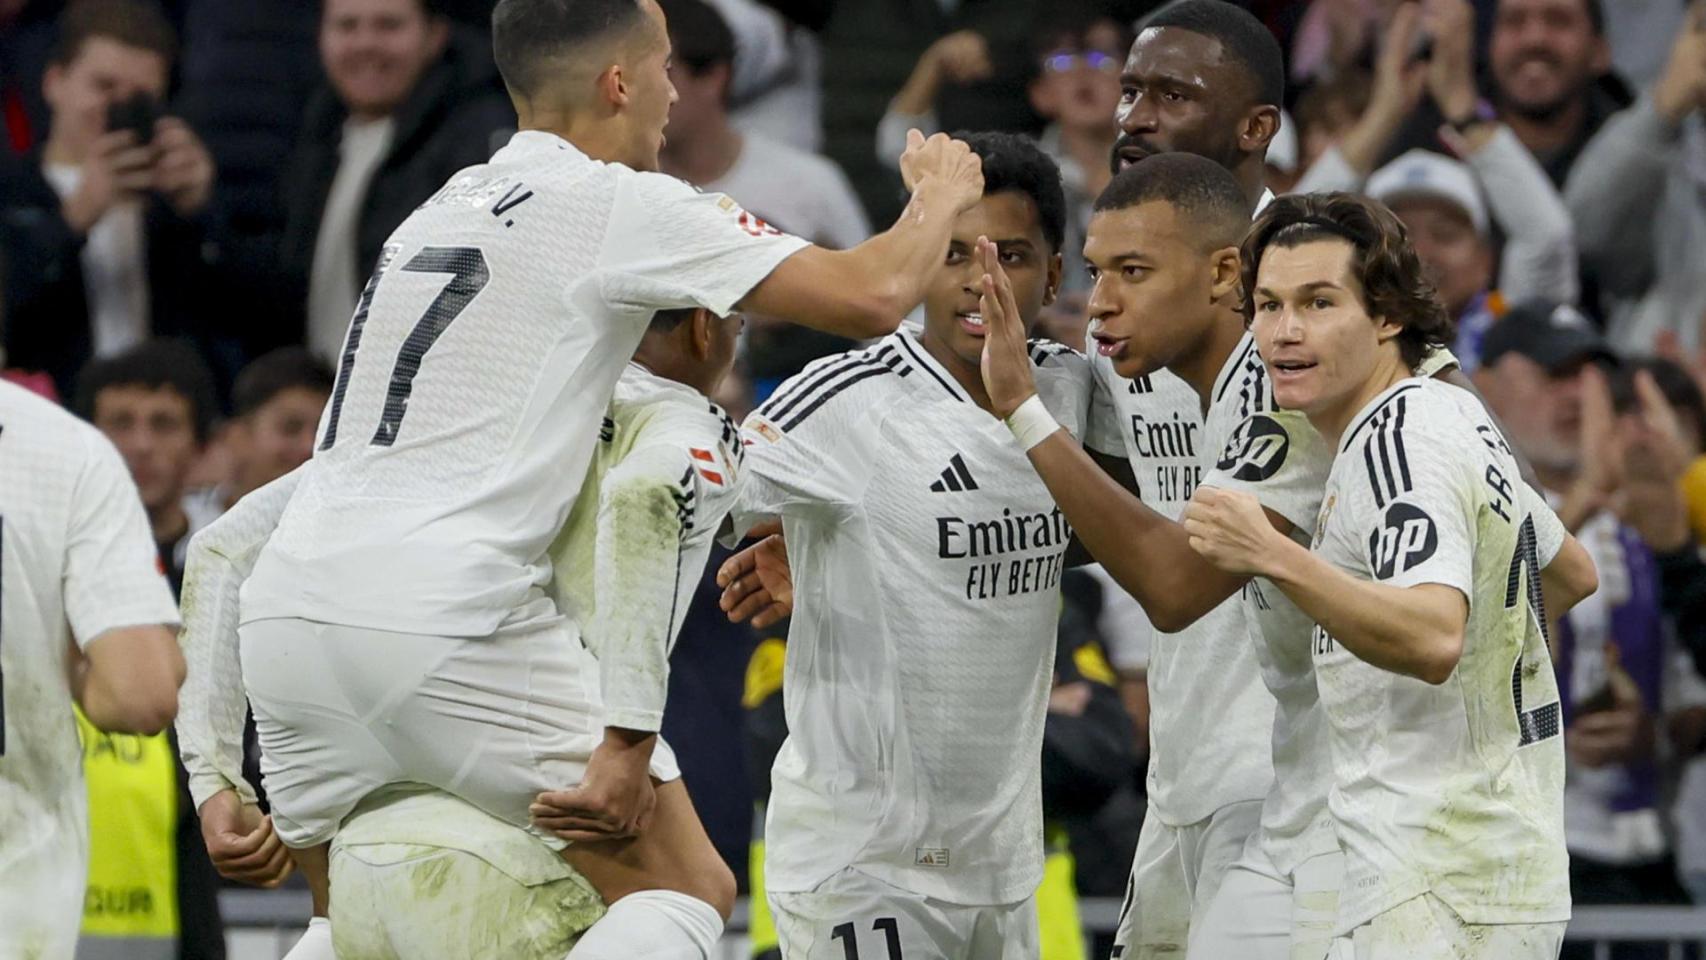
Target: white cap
(1423, 173)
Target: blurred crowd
(193, 192)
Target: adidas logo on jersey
(955, 479)
(931, 857)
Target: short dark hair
(1071, 22)
(153, 364)
(698, 34)
(1383, 262)
(665, 321)
(1013, 162)
(133, 23)
(1593, 8)
(1677, 384)
(1244, 41)
(1196, 186)
(275, 372)
(527, 35)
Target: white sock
(316, 944)
(652, 925)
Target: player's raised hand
(241, 841)
(757, 583)
(1006, 364)
(1230, 529)
(614, 800)
(947, 164)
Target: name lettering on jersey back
(472, 191)
(1174, 439)
(958, 538)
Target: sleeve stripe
(1398, 446)
(906, 343)
(1388, 438)
(824, 397)
(1373, 477)
(778, 406)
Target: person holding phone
(101, 232)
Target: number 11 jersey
(474, 377)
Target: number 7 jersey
(473, 380)
(1457, 788)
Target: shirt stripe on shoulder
(1385, 445)
(778, 406)
(1351, 434)
(912, 348)
(823, 397)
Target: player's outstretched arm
(1569, 579)
(1416, 631)
(127, 679)
(1146, 553)
(865, 291)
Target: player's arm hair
(1415, 631)
(863, 292)
(127, 679)
(1569, 579)
(1146, 553)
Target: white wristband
(1032, 423)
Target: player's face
(952, 316)
(103, 72)
(1544, 54)
(1153, 297)
(154, 430)
(374, 51)
(1457, 260)
(1176, 95)
(646, 76)
(1314, 333)
(277, 437)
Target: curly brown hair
(1384, 264)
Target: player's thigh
(418, 902)
(1211, 847)
(318, 758)
(1315, 905)
(1249, 917)
(852, 915)
(673, 853)
(1156, 917)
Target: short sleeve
(810, 447)
(113, 572)
(1280, 459)
(1411, 508)
(668, 245)
(1103, 431)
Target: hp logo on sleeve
(1257, 449)
(1406, 538)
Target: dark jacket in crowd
(450, 121)
(46, 314)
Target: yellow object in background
(130, 908)
(1694, 493)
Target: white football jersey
(627, 562)
(1454, 789)
(1279, 458)
(477, 368)
(77, 559)
(1199, 759)
(926, 555)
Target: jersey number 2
(468, 275)
(1542, 722)
(847, 934)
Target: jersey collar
(933, 378)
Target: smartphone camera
(136, 114)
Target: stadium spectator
(1638, 184)
(776, 88)
(1551, 83)
(156, 403)
(799, 192)
(101, 225)
(1441, 203)
(405, 106)
(276, 403)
